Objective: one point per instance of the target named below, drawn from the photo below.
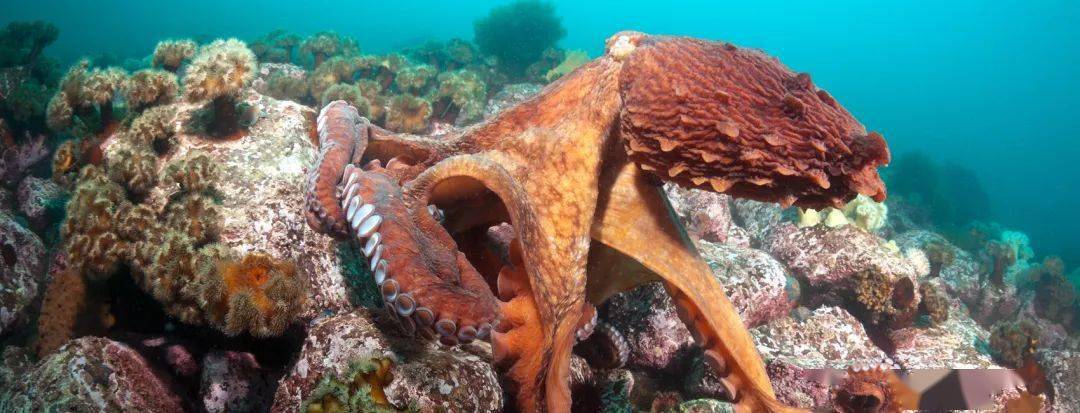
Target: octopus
(511, 230)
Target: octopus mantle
(508, 230)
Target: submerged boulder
(89, 374)
(347, 360)
(22, 270)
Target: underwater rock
(960, 272)
(706, 406)
(706, 215)
(260, 183)
(91, 374)
(22, 270)
(758, 218)
(37, 197)
(7, 201)
(510, 96)
(284, 81)
(830, 338)
(755, 282)
(1062, 370)
(348, 361)
(830, 259)
(647, 318)
(797, 386)
(234, 382)
(950, 345)
(16, 160)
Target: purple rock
(91, 374)
(234, 382)
(35, 196)
(22, 270)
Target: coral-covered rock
(16, 160)
(758, 218)
(755, 282)
(347, 360)
(647, 318)
(510, 96)
(91, 374)
(960, 272)
(830, 338)
(39, 199)
(22, 270)
(283, 81)
(828, 258)
(1062, 370)
(258, 185)
(950, 345)
(234, 382)
(706, 215)
(706, 406)
(797, 386)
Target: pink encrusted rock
(267, 71)
(1062, 370)
(706, 215)
(830, 338)
(261, 185)
(16, 160)
(962, 279)
(827, 259)
(759, 219)
(797, 386)
(36, 196)
(234, 382)
(950, 345)
(658, 339)
(91, 374)
(426, 376)
(22, 270)
(754, 282)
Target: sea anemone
(331, 72)
(934, 304)
(219, 71)
(408, 114)
(322, 46)
(170, 54)
(93, 247)
(86, 94)
(150, 87)
(154, 129)
(460, 97)
(350, 94)
(285, 86)
(414, 79)
(517, 34)
(256, 294)
(1012, 342)
(135, 170)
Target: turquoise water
(990, 86)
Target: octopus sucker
(569, 182)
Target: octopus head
(715, 116)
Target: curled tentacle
(425, 282)
(343, 135)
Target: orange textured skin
(718, 117)
(340, 136)
(563, 170)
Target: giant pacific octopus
(510, 230)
